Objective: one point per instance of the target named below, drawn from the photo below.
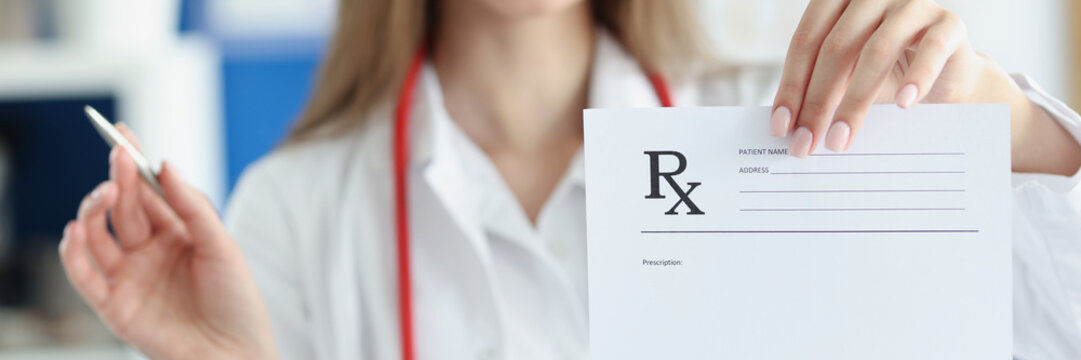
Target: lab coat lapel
(365, 229)
(440, 166)
(460, 260)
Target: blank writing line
(843, 231)
(858, 209)
(848, 191)
(864, 172)
(894, 154)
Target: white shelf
(101, 352)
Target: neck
(515, 84)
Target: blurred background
(214, 84)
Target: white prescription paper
(899, 248)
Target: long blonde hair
(375, 40)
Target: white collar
(616, 81)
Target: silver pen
(114, 138)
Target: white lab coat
(316, 223)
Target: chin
(527, 8)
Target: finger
(126, 131)
(92, 203)
(832, 71)
(93, 215)
(876, 61)
(937, 46)
(817, 21)
(161, 216)
(191, 206)
(88, 282)
(128, 218)
(158, 212)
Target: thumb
(193, 208)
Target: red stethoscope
(401, 210)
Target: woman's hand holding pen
(172, 282)
(848, 54)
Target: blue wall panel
(263, 95)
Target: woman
(494, 179)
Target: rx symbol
(655, 176)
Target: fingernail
(67, 229)
(801, 142)
(837, 136)
(112, 154)
(167, 166)
(96, 193)
(779, 121)
(907, 96)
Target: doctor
(430, 201)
